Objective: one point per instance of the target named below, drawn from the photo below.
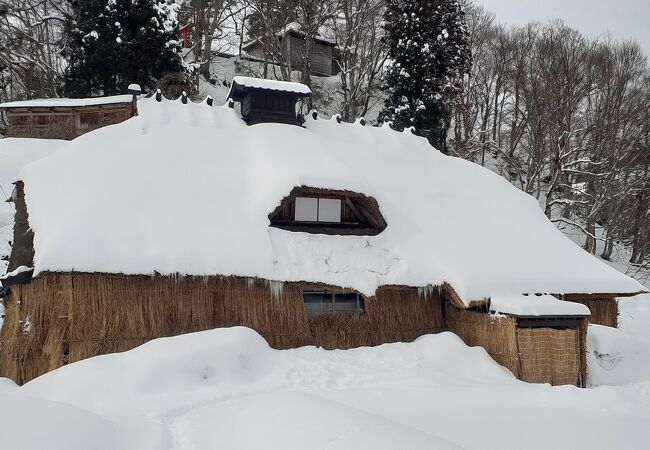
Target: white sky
(623, 19)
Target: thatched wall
(61, 318)
(604, 311)
(536, 355)
(63, 122)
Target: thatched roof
(187, 189)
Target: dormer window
(317, 209)
(324, 211)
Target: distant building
(292, 42)
(63, 118)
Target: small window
(323, 302)
(314, 209)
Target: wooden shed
(292, 44)
(64, 118)
(267, 100)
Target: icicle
(250, 282)
(426, 291)
(276, 288)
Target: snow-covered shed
(336, 234)
(64, 118)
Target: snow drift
(226, 388)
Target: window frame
(318, 208)
(330, 307)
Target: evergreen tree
(429, 53)
(112, 43)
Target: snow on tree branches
(429, 53)
(112, 43)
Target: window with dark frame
(320, 302)
(317, 209)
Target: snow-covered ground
(227, 389)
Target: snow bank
(621, 356)
(226, 388)
(167, 373)
(187, 189)
(37, 424)
(68, 102)
(535, 305)
(615, 357)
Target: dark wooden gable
(359, 215)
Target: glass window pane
(306, 209)
(314, 303)
(329, 210)
(346, 302)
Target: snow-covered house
(291, 40)
(185, 218)
(63, 118)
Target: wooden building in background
(64, 118)
(292, 42)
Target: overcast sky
(622, 18)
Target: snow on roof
(68, 102)
(275, 85)
(189, 188)
(535, 305)
(296, 28)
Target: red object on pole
(184, 34)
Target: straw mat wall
(604, 311)
(61, 318)
(552, 356)
(535, 355)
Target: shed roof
(68, 102)
(187, 189)
(295, 29)
(241, 84)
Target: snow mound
(621, 356)
(225, 362)
(226, 388)
(36, 424)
